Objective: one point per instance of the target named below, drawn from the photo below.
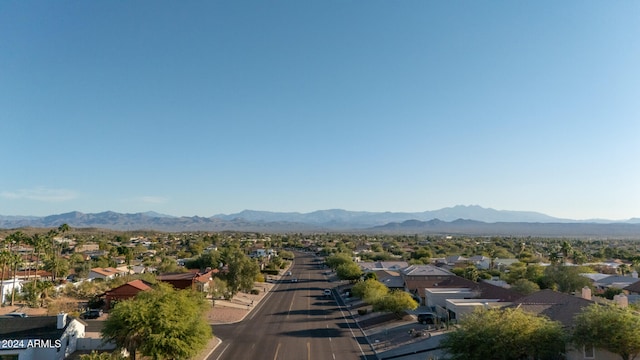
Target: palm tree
(567, 250)
(39, 243)
(64, 228)
(623, 268)
(15, 261)
(5, 257)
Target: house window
(589, 352)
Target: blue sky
(208, 107)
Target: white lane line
(223, 350)
(275, 356)
(352, 333)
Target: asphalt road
(295, 321)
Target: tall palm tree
(5, 257)
(51, 251)
(39, 243)
(15, 261)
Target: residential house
(368, 266)
(124, 292)
(503, 263)
(633, 292)
(262, 253)
(417, 278)
(133, 269)
(614, 281)
(107, 273)
(193, 279)
(40, 337)
(391, 279)
(85, 248)
(481, 262)
(459, 301)
(563, 308)
(6, 288)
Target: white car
(327, 292)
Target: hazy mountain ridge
(471, 220)
(472, 227)
(368, 219)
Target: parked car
(91, 314)
(427, 318)
(16, 314)
(288, 273)
(327, 292)
(294, 280)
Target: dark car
(91, 314)
(16, 314)
(427, 318)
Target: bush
(255, 292)
(362, 311)
(271, 271)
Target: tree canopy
(377, 294)
(483, 334)
(349, 271)
(369, 290)
(609, 327)
(395, 301)
(162, 323)
(565, 278)
(242, 271)
(336, 260)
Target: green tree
(471, 273)
(336, 260)
(567, 250)
(608, 327)
(565, 279)
(286, 255)
(241, 270)
(349, 271)
(505, 334)
(369, 290)
(396, 302)
(524, 287)
(162, 323)
(15, 261)
(219, 289)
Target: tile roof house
(554, 305)
(391, 279)
(40, 337)
(633, 288)
(193, 279)
(419, 277)
(125, 291)
(615, 281)
(563, 307)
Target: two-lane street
(295, 321)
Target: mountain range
(460, 219)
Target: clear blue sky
(207, 107)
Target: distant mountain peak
(462, 219)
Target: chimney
(62, 321)
(621, 300)
(586, 293)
